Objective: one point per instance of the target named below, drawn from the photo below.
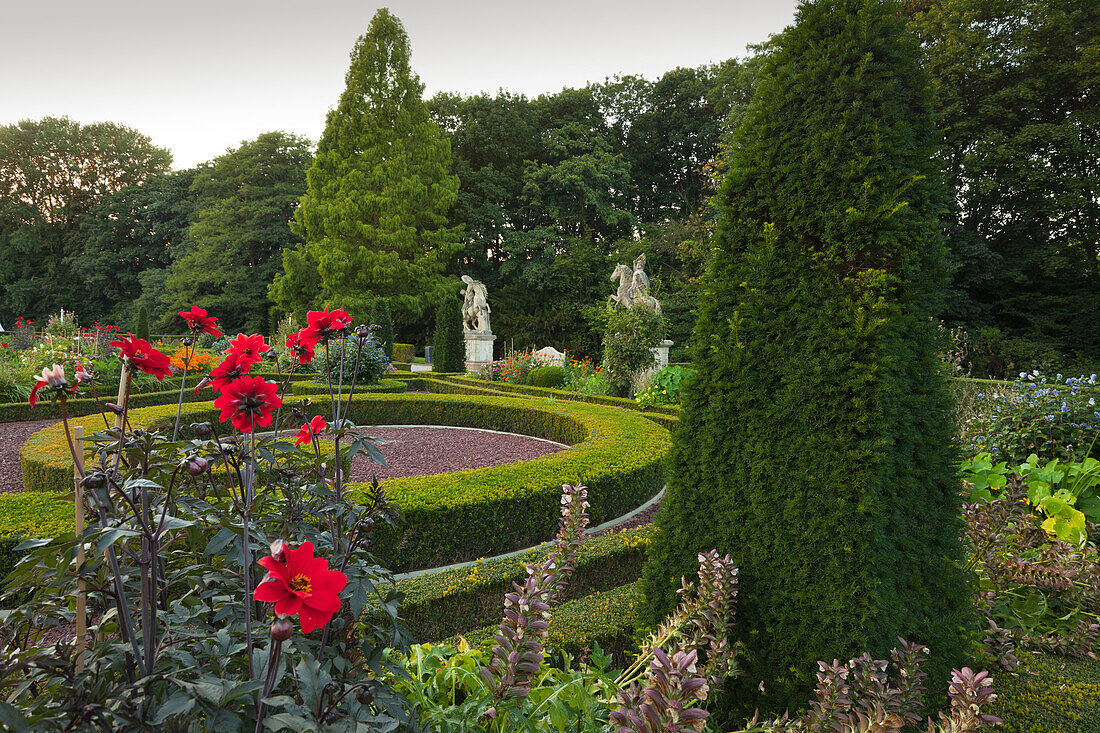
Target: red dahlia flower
(199, 322)
(316, 426)
(248, 402)
(248, 349)
(231, 368)
(303, 350)
(301, 586)
(323, 324)
(141, 354)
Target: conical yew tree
(374, 217)
(815, 444)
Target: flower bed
(447, 517)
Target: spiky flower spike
(969, 691)
(518, 652)
(667, 701)
(701, 622)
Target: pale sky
(200, 76)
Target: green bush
(380, 316)
(404, 353)
(141, 328)
(547, 376)
(454, 602)
(388, 386)
(1048, 694)
(460, 515)
(449, 354)
(815, 443)
(628, 344)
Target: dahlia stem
(183, 386)
(269, 681)
(328, 378)
(246, 548)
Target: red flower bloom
(322, 324)
(141, 354)
(199, 322)
(248, 349)
(316, 426)
(302, 349)
(248, 402)
(231, 368)
(302, 586)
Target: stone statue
(475, 306)
(633, 287)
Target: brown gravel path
(424, 451)
(12, 437)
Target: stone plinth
(479, 349)
(661, 352)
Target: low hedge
(404, 352)
(607, 618)
(402, 366)
(389, 386)
(460, 515)
(565, 394)
(44, 410)
(452, 602)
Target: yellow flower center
(301, 584)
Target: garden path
(12, 437)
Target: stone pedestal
(479, 349)
(660, 353)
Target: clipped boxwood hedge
(1048, 694)
(607, 618)
(404, 353)
(389, 386)
(460, 515)
(452, 602)
(565, 394)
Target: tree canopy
(374, 217)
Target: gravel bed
(424, 451)
(12, 437)
(642, 517)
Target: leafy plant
(1054, 417)
(663, 387)
(1066, 494)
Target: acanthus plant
(175, 577)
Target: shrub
(404, 353)
(141, 327)
(628, 342)
(364, 353)
(380, 316)
(547, 376)
(449, 354)
(815, 444)
(1055, 418)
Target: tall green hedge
(380, 316)
(815, 445)
(449, 354)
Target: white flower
(53, 377)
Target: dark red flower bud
(278, 550)
(282, 629)
(202, 429)
(94, 481)
(197, 466)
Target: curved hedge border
(389, 386)
(451, 602)
(447, 517)
(607, 618)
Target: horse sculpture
(633, 288)
(622, 296)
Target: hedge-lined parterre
(451, 602)
(607, 618)
(455, 516)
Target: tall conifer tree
(374, 217)
(815, 444)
